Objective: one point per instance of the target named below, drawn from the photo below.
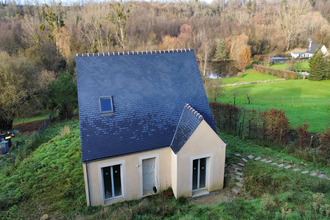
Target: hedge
(276, 72)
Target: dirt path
(28, 126)
(252, 82)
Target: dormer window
(106, 105)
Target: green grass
(283, 66)
(50, 180)
(249, 76)
(302, 100)
(36, 118)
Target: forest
(38, 42)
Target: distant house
(310, 51)
(146, 125)
(298, 54)
(275, 60)
(313, 47)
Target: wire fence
(289, 101)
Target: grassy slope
(269, 193)
(249, 76)
(283, 66)
(50, 180)
(23, 120)
(270, 95)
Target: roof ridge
(133, 53)
(196, 113)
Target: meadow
(250, 75)
(304, 101)
(284, 66)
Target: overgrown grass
(304, 101)
(283, 66)
(48, 180)
(36, 118)
(249, 76)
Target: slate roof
(189, 121)
(149, 91)
(313, 48)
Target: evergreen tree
(220, 51)
(317, 65)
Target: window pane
(195, 171)
(107, 182)
(117, 180)
(106, 104)
(202, 174)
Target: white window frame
(111, 102)
(122, 179)
(156, 156)
(209, 171)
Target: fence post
(315, 102)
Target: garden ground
(48, 179)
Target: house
(310, 51)
(297, 54)
(146, 125)
(275, 60)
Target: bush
(304, 137)
(63, 95)
(276, 125)
(276, 72)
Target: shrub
(304, 137)
(325, 143)
(63, 95)
(276, 125)
(276, 72)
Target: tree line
(38, 42)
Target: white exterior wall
(173, 170)
(131, 172)
(203, 143)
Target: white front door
(149, 175)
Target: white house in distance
(310, 51)
(146, 125)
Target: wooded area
(38, 42)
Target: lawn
(249, 76)
(302, 100)
(283, 66)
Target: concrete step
(239, 178)
(245, 160)
(250, 156)
(240, 164)
(239, 184)
(258, 158)
(239, 174)
(235, 191)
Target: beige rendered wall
(204, 142)
(131, 175)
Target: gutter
(89, 195)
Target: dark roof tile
(148, 89)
